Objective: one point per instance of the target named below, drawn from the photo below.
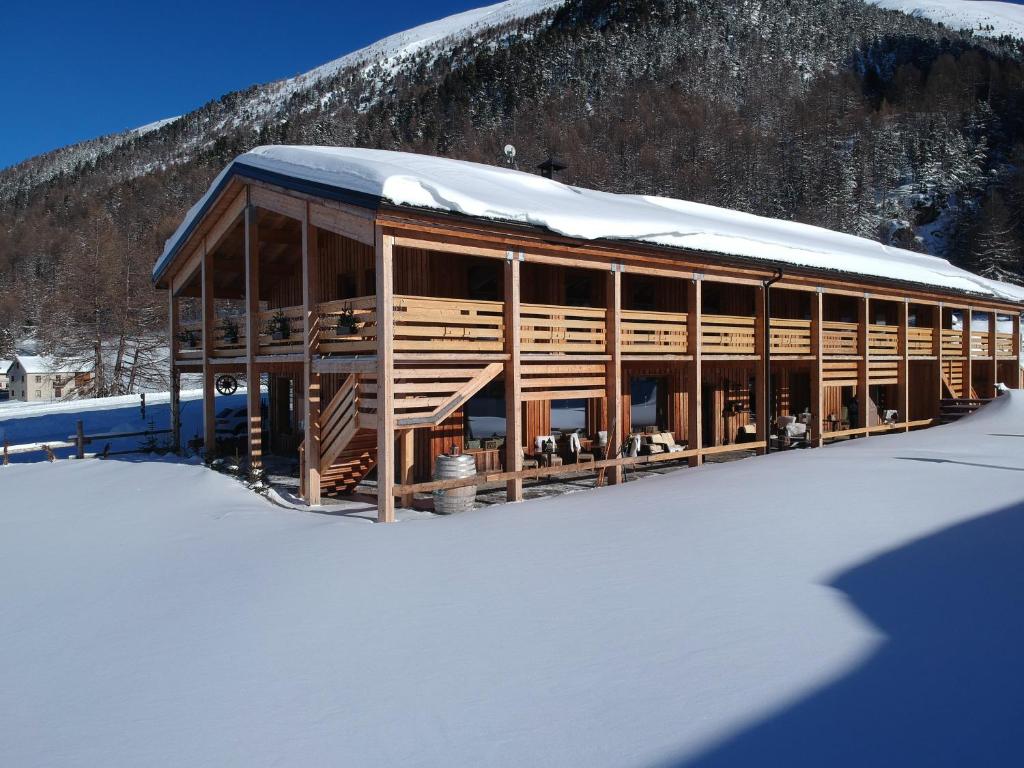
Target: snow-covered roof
(44, 364)
(4, 365)
(502, 194)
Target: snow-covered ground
(985, 17)
(857, 605)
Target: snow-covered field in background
(979, 15)
(857, 605)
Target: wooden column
(1018, 379)
(903, 368)
(252, 309)
(968, 350)
(864, 365)
(209, 393)
(311, 379)
(407, 471)
(992, 318)
(613, 372)
(383, 259)
(175, 378)
(513, 380)
(694, 420)
(818, 372)
(937, 351)
(761, 381)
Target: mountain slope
(983, 17)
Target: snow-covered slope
(851, 606)
(985, 17)
(503, 194)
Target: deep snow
(979, 15)
(504, 194)
(855, 605)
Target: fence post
(6, 458)
(142, 398)
(79, 440)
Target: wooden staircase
(955, 408)
(424, 397)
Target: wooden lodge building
(398, 305)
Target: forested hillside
(832, 112)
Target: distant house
(5, 392)
(37, 378)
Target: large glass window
(643, 394)
(485, 412)
(568, 415)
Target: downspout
(767, 357)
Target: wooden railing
(338, 421)
(280, 331)
(662, 333)
(790, 337)
(1004, 345)
(229, 337)
(980, 346)
(952, 342)
(727, 335)
(189, 345)
(920, 342)
(348, 326)
(560, 330)
(883, 340)
(839, 338)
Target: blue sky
(75, 70)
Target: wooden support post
(992, 319)
(79, 439)
(694, 420)
(864, 364)
(407, 473)
(818, 373)
(310, 378)
(613, 371)
(209, 393)
(175, 378)
(252, 339)
(903, 369)
(1018, 379)
(968, 347)
(513, 379)
(937, 351)
(761, 380)
(383, 258)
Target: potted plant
(346, 325)
(278, 328)
(189, 338)
(229, 329)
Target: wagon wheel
(227, 385)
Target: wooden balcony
(189, 344)
(980, 344)
(790, 337)
(839, 339)
(727, 335)
(1004, 345)
(229, 337)
(883, 340)
(952, 343)
(654, 333)
(921, 342)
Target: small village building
(38, 378)
(5, 391)
(398, 305)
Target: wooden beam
(175, 378)
(817, 370)
(513, 380)
(762, 381)
(408, 468)
(1018, 379)
(269, 200)
(311, 378)
(613, 371)
(252, 308)
(993, 351)
(968, 350)
(903, 364)
(384, 261)
(694, 408)
(863, 364)
(209, 393)
(937, 352)
(342, 223)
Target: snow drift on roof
(501, 194)
(44, 364)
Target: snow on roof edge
(508, 196)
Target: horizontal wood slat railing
(790, 337)
(920, 342)
(280, 331)
(952, 343)
(662, 333)
(338, 421)
(189, 344)
(348, 326)
(883, 339)
(229, 337)
(549, 328)
(484, 478)
(1004, 345)
(980, 346)
(448, 325)
(727, 335)
(839, 339)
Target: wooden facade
(381, 330)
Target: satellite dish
(510, 155)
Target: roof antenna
(510, 155)
(548, 167)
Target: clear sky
(75, 70)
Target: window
(579, 288)
(644, 410)
(568, 415)
(347, 288)
(39, 393)
(485, 412)
(643, 296)
(56, 392)
(484, 282)
(39, 379)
